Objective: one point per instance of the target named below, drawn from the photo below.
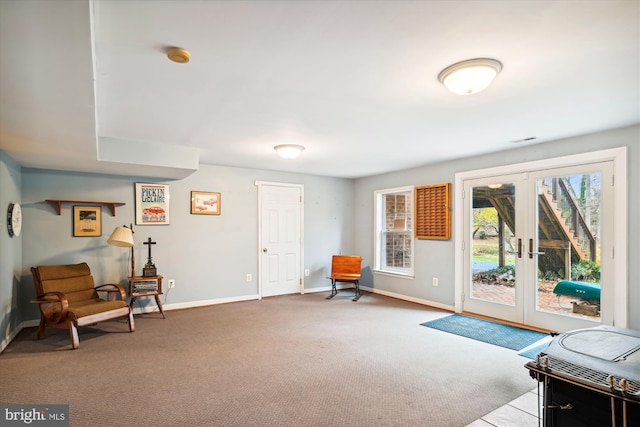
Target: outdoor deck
(547, 300)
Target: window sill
(408, 276)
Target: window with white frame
(394, 231)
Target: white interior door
(280, 238)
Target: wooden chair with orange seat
(345, 268)
(67, 299)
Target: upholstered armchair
(68, 298)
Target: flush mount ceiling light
(180, 56)
(289, 151)
(470, 76)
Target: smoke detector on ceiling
(180, 56)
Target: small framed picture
(152, 204)
(205, 203)
(87, 221)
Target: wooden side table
(145, 287)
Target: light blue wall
(10, 251)
(436, 258)
(208, 256)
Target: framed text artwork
(87, 221)
(152, 204)
(205, 203)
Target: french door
(538, 246)
(494, 228)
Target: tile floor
(520, 412)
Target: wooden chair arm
(114, 288)
(47, 303)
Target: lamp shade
(289, 151)
(121, 236)
(470, 76)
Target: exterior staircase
(563, 234)
(559, 206)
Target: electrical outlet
(172, 283)
(249, 277)
(306, 272)
(435, 281)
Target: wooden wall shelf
(57, 204)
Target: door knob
(264, 250)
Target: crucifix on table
(149, 268)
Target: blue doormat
(484, 330)
(534, 351)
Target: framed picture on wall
(152, 204)
(205, 203)
(87, 221)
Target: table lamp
(123, 237)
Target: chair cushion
(75, 281)
(48, 272)
(89, 308)
(76, 288)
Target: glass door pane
(493, 271)
(569, 229)
(566, 250)
(493, 244)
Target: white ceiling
(355, 82)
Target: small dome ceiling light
(289, 151)
(470, 76)
(180, 56)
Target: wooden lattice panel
(433, 213)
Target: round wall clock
(14, 219)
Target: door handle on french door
(519, 248)
(519, 251)
(531, 252)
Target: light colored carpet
(297, 360)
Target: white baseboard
(325, 289)
(30, 323)
(150, 308)
(6, 340)
(26, 324)
(433, 304)
(410, 299)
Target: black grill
(589, 376)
